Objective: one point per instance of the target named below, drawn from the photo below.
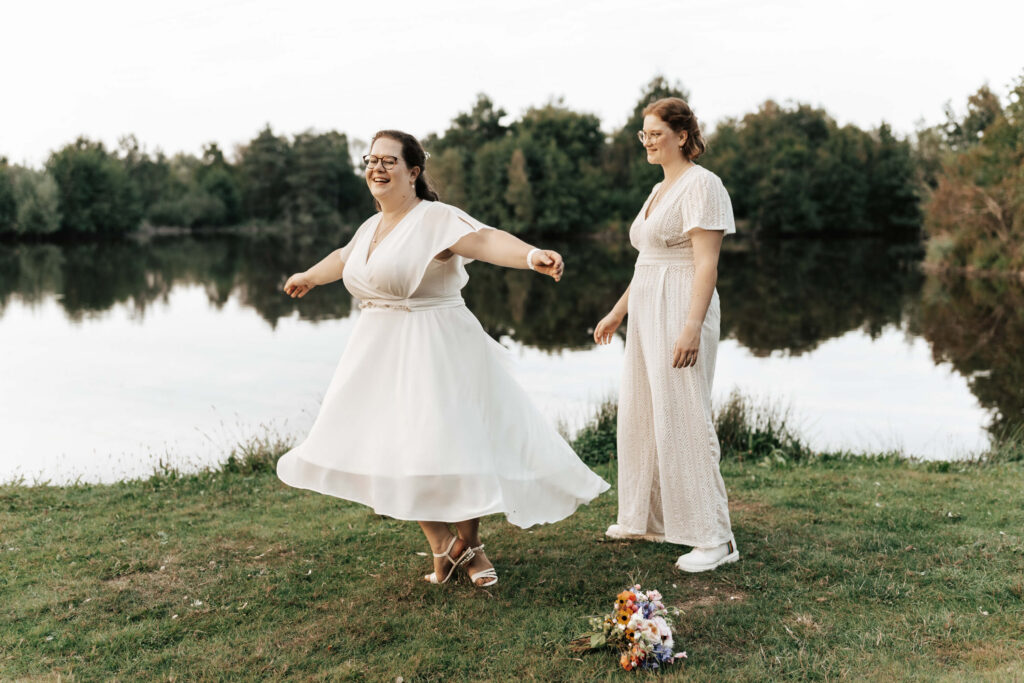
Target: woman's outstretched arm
(503, 249)
(330, 269)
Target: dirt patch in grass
(150, 586)
(749, 508)
(709, 596)
(990, 655)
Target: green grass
(852, 568)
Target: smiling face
(395, 182)
(663, 144)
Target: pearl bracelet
(529, 258)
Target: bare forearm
(495, 246)
(330, 269)
(621, 308)
(704, 278)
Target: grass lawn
(850, 569)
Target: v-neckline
(370, 249)
(648, 209)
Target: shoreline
(748, 431)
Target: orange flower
(624, 661)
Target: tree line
(553, 171)
(86, 189)
(974, 169)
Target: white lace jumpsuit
(669, 479)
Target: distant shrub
(595, 443)
(746, 430)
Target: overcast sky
(180, 74)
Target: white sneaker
(703, 559)
(621, 534)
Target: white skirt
(424, 421)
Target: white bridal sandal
(491, 573)
(704, 559)
(462, 559)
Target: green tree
(469, 131)
(8, 206)
(983, 108)
(264, 165)
(629, 177)
(519, 193)
(446, 171)
(893, 203)
(37, 200)
(322, 184)
(150, 175)
(563, 153)
(474, 139)
(792, 169)
(96, 194)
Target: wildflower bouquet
(638, 628)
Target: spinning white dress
(423, 420)
(669, 482)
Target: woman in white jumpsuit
(670, 487)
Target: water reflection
(793, 295)
(778, 297)
(977, 325)
(92, 278)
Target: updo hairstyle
(680, 118)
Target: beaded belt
(410, 305)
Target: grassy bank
(852, 568)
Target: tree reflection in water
(977, 325)
(785, 296)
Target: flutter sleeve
(706, 205)
(449, 224)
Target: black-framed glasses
(643, 136)
(371, 161)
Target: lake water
(116, 357)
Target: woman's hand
(549, 263)
(684, 353)
(606, 328)
(298, 285)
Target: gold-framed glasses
(371, 161)
(644, 136)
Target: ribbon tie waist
(428, 303)
(665, 256)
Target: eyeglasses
(645, 136)
(387, 162)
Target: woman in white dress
(423, 420)
(670, 487)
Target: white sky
(184, 73)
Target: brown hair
(414, 156)
(680, 118)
